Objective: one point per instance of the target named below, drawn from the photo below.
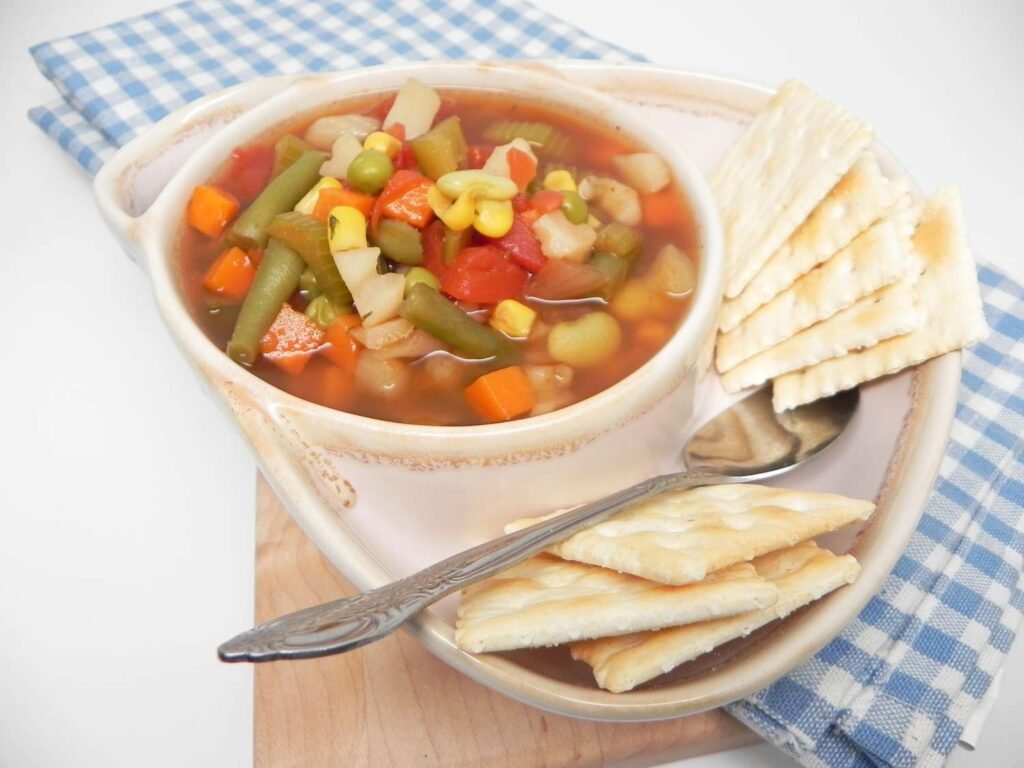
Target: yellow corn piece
(513, 319)
(560, 181)
(483, 185)
(457, 215)
(493, 217)
(308, 201)
(383, 142)
(346, 229)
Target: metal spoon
(747, 441)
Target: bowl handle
(131, 182)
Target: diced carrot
(521, 167)
(292, 340)
(601, 152)
(341, 349)
(333, 197)
(230, 275)
(546, 201)
(660, 209)
(477, 155)
(211, 209)
(501, 395)
(404, 197)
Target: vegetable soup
(447, 258)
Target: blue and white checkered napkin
(896, 687)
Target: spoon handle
(341, 625)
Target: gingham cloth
(896, 687)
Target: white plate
(891, 451)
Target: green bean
(399, 241)
(280, 195)
(441, 149)
(545, 139)
(287, 150)
(614, 267)
(455, 241)
(276, 280)
(418, 275)
(429, 311)
(625, 242)
(574, 207)
(369, 171)
(322, 311)
(308, 236)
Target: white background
(127, 549)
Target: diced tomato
(433, 249)
(397, 130)
(483, 275)
(520, 203)
(521, 245)
(249, 170)
(546, 201)
(291, 341)
(478, 154)
(404, 197)
(406, 160)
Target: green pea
(369, 171)
(308, 287)
(421, 275)
(574, 207)
(322, 312)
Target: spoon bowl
(747, 441)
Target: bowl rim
(158, 230)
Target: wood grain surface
(394, 704)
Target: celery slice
(545, 139)
(308, 237)
(399, 241)
(441, 149)
(622, 240)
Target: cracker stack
(834, 274)
(665, 580)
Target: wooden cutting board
(394, 704)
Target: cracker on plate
(860, 198)
(794, 151)
(802, 574)
(947, 295)
(546, 601)
(877, 257)
(681, 536)
(888, 312)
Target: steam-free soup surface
(446, 258)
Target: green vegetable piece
(308, 237)
(399, 241)
(421, 275)
(323, 312)
(624, 241)
(574, 207)
(429, 311)
(614, 267)
(454, 241)
(441, 149)
(287, 150)
(308, 289)
(280, 195)
(369, 171)
(545, 139)
(276, 280)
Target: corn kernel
(308, 201)
(457, 215)
(483, 185)
(383, 142)
(560, 181)
(493, 217)
(346, 229)
(513, 319)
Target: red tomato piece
(406, 160)
(478, 154)
(433, 250)
(484, 276)
(520, 203)
(521, 245)
(249, 170)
